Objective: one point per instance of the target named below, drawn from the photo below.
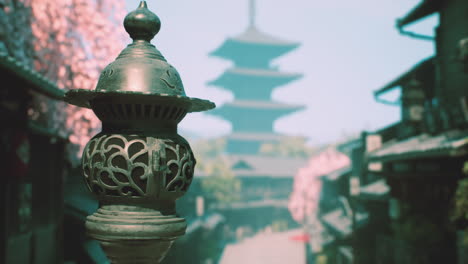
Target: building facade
(421, 158)
(31, 193)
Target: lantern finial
(142, 24)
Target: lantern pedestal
(134, 234)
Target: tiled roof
(341, 219)
(252, 204)
(263, 73)
(375, 190)
(336, 174)
(255, 36)
(38, 82)
(39, 129)
(269, 105)
(238, 75)
(452, 143)
(251, 136)
(254, 40)
(263, 166)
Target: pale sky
(348, 50)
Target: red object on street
(301, 238)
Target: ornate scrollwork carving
(172, 79)
(131, 165)
(180, 163)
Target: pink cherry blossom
(307, 186)
(73, 40)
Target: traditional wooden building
(341, 214)
(31, 197)
(423, 161)
(329, 216)
(370, 191)
(31, 194)
(266, 186)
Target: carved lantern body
(138, 165)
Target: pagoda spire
(252, 13)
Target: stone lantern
(138, 166)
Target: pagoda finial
(252, 14)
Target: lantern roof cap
(140, 71)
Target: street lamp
(138, 165)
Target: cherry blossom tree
(73, 40)
(303, 202)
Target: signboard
(375, 166)
(354, 185)
(373, 142)
(200, 206)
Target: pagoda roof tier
(254, 116)
(265, 47)
(261, 166)
(259, 104)
(254, 36)
(253, 136)
(242, 142)
(242, 80)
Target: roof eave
(421, 66)
(459, 150)
(286, 45)
(420, 154)
(38, 82)
(423, 9)
(221, 50)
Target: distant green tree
(287, 147)
(209, 148)
(217, 180)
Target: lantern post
(138, 165)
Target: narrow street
(265, 248)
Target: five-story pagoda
(252, 80)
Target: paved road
(266, 248)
